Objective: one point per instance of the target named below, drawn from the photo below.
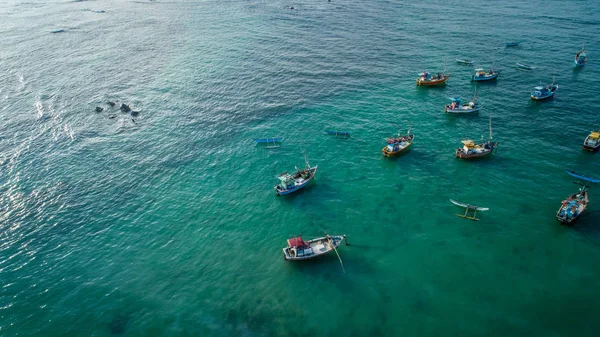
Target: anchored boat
(482, 75)
(271, 143)
(513, 43)
(457, 107)
(468, 209)
(298, 249)
(472, 150)
(524, 66)
(291, 182)
(396, 145)
(428, 80)
(580, 58)
(572, 207)
(544, 92)
(592, 141)
(466, 62)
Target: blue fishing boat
(464, 61)
(338, 133)
(482, 75)
(582, 177)
(270, 142)
(544, 92)
(291, 182)
(580, 58)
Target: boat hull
(461, 111)
(313, 171)
(541, 98)
(319, 247)
(591, 148)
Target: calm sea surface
(166, 223)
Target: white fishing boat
(299, 249)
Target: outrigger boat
(463, 61)
(482, 75)
(339, 133)
(298, 249)
(513, 43)
(427, 79)
(457, 107)
(472, 150)
(271, 142)
(592, 141)
(540, 92)
(580, 58)
(525, 66)
(293, 182)
(576, 203)
(468, 209)
(396, 145)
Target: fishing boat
(396, 145)
(544, 92)
(463, 61)
(525, 66)
(468, 209)
(338, 133)
(580, 58)
(271, 143)
(592, 141)
(298, 249)
(428, 80)
(291, 182)
(482, 75)
(513, 43)
(572, 207)
(582, 177)
(472, 150)
(457, 107)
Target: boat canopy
(468, 143)
(296, 242)
(595, 135)
(455, 99)
(479, 69)
(539, 88)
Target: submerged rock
(111, 116)
(99, 109)
(135, 113)
(111, 103)
(125, 107)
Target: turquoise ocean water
(167, 224)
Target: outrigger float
(470, 210)
(396, 145)
(293, 182)
(427, 80)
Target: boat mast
(306, 160)
(490, 127)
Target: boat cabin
(469, 145)
(298, 247)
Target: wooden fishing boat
(298, 249)
(482, 75)
(457, 107)
(463, 61)
(291, 182)
(397, 145)
(582, 177)
(592, 141)
(544, 92)
(426, 79)
(271, 143)
(472, 150)
(524, 66)
(572, 207)
(468, 209)
(580, 58)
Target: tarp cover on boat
(468, 143)
(595, 135)
(296, 242)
